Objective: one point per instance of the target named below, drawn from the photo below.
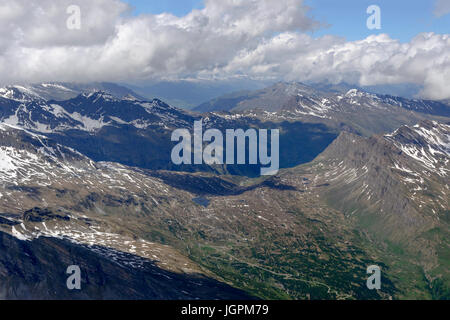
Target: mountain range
(86, 179)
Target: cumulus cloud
(262, 39)
(42, 23)
(441, 8)
(372, 61)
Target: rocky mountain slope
(315, 101)
(39, 243)
(363, 112)
(402, 176)
(107, 128)
(63, 91)
(128, 130)
(129, 216)
(273, 238)
(36, 270)
(82, 178)
(394, 188)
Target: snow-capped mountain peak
(99, 96)
(19, 93)
(427, 144)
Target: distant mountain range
(188, 94)
(63, 91)
(363, 112)
(316, 102)
(86, 178)
(127, 130)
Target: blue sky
(177, 7)
(401, 19)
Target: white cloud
(228, 38)
(441, 8)
(372, 61)
(41, 23)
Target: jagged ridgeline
(129, 130)
(118, 125)
(86, 178)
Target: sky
(176, 7)
(401, 19)
(271, 40)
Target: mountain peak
(98, 95)
(357, 93)
(60, 91)
(426, 137)
(19, 93)
(352, 92)
(130, 97)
